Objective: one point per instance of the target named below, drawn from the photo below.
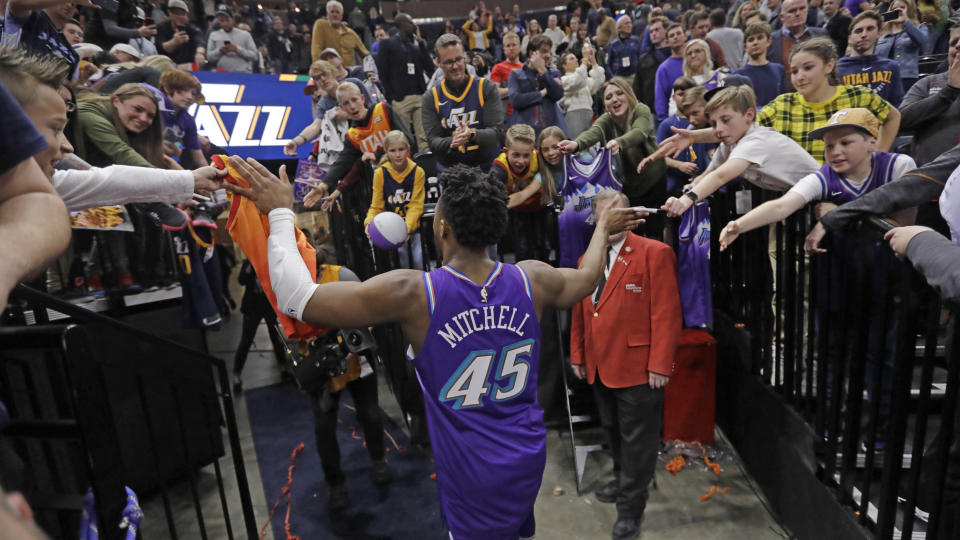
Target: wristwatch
(692, 196)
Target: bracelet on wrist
(692, 196)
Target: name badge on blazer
(634, 288)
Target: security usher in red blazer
(636, 324)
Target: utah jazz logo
(373, 142)
(398, 199)
(459, 117)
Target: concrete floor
(674, 510)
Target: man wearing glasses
(463, 115)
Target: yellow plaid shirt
(794, 116)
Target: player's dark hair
(474, 203)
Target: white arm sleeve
(289, 276)
(121, 184)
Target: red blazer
(636, 324)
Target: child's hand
(677, 143)
(812, 243)
(317, 193)
(649, 159)
(689, 168)
(290, 148)
(675, 207)
(369, 157)
(329, 201)
(614, 147)
(729, 234)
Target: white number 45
(468, 385)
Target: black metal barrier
(860, 353)
(99, 404)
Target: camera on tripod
(328, 356)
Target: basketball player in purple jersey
(474, 328)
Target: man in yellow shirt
(331, 32)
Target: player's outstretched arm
(564, 287)
(391, 297)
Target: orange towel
(250, 228)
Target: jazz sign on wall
(252, 115)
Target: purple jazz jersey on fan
(478, 371)
(693, 266)
(581, 182)
(836, 189)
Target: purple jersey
(693, 266)
(838, 190)
(581, 182)
(478, 371)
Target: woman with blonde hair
(744, 12)
(533, 28)
(627, 129)
(698, 65)
(123, 128)
(903, 40)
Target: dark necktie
(603, 278)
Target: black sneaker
(608, 492)
(205, 214)
(339, 498)
(165, 216)
(380, 473)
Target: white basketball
(388, 230)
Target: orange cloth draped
(249, 229)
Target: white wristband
(289, 276)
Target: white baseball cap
(125, 48)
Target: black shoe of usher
(626, 529)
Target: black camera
(327, 356)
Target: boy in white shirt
(854, 167)
(759, 154)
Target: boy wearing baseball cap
(853, 167)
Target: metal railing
(95, 403)
(860, 347)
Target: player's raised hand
(678, 142)
(729, 234)
(266, 190)
(617, 220)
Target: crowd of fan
(802, 97)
